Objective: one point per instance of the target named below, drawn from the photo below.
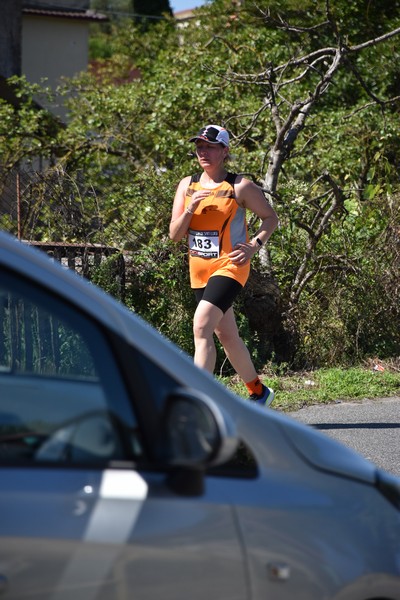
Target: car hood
(326, 454)
(265, 431)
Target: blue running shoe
(265, 398)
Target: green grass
(293, 391)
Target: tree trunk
(262, 305)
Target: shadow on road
(355, 425)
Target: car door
(85, 512)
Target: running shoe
(265, 398)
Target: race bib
(204, 243)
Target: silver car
(126, 473)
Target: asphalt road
(371, 427)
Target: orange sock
(254, 387)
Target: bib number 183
(204, 243)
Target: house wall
(10, 37)
(53, 48)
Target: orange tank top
(217, 225)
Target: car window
(62, 398)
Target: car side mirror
(196, 435)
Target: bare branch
(254, 117)
(223, 40)
(315, 232)
(369, 104)
(375, 41)
(280, 23)
(361, 81)
(339, 263)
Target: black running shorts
(220, 291)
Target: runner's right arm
(181, 217)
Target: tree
(145, 11)
(292, 87)
(298, 90)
